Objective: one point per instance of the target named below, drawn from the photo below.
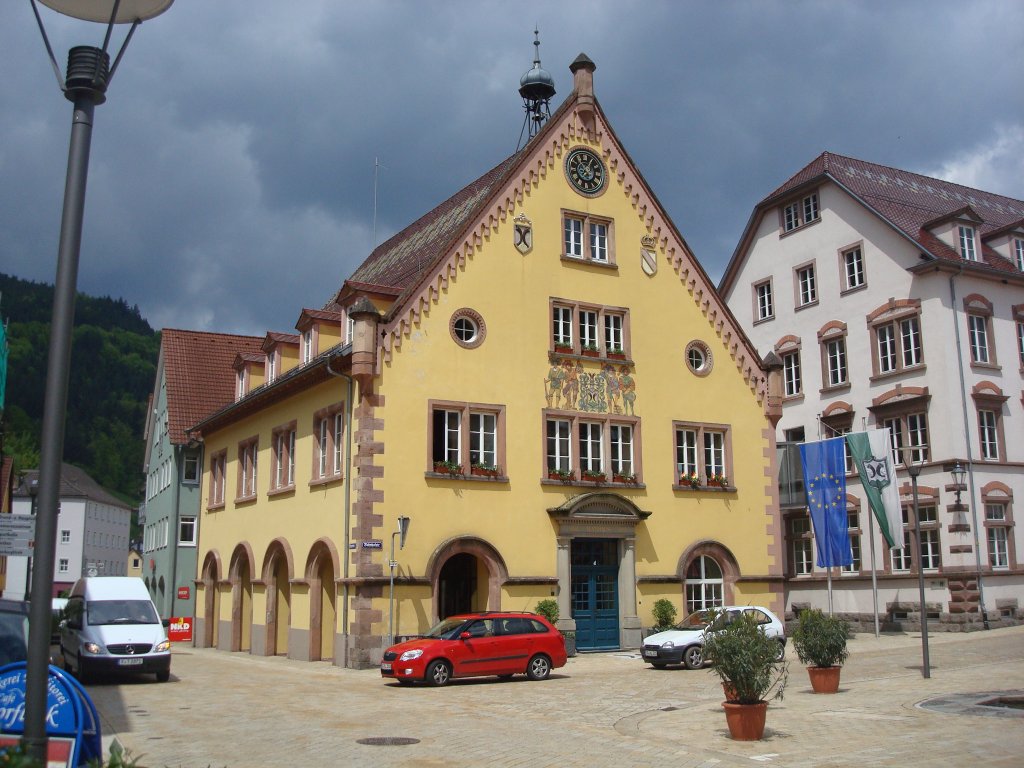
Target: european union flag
(825, 486)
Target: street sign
(17, 535)
(373, 544)
(183, 593)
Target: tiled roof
(199, 374)
(398, 263)
(909, 201)
(327, 315)
(74, 483)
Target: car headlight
(410, 655)
(91, 648)
(668, 644)
(163, 645)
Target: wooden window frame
(325, 466)
(587, 221)
(559, 306)
(466, 410)
(248, 469)
(286, 432)
(605, 422)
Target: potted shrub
(664, 615)
(747, 659)
(548, 608)
(820, 642)
(720, 480)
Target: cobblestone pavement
(610, 709)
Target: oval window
(698, 358)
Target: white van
(112, 626)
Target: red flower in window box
(565, 475)
(484, 470)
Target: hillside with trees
(113, 364)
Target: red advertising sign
(179, 630)
(183, 593)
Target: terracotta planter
(745, 721)
(824, 679)
(590, 353)
(616, 356)
(480, 472)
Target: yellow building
(530, 373)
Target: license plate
(385, 666)
(650, 653)
(129, 662)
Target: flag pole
(874, 568)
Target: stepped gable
(199, 374)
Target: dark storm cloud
(232, 173)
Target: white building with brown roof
(897, 300)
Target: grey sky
(232, 173)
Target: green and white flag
(872, 454)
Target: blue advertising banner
(70, 713)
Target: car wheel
(439, 673)
(693, 657)
(780, 653)
(163, 676)
(658, 664)
(539, 667)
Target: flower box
(564, 349)
(693, 481)
(594, 477)
(557, 474)
(616, 355)
(447, 468)
(484, 470)
(625, 479)
(591, 351)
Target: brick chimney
(583, 83)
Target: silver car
(684, 643)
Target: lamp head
(128, 11)
(913, 468)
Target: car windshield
(122, 612)
(696, 620)
(447, 629)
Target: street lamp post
(88, 75)
(403, 529)
(915, 471)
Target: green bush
(15, 757)
(820, 640)
(664, 614)
(548, 608)
(745, 656)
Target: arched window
(704, 584)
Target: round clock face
(585, 171)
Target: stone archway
(240, 575)
(277, 570)
(463, 559)
(692, 566)
(322, 567)
(211, 600)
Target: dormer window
(967, 243)
(1018, 252)
(307, 345)
(800, 212)
(271, 366)
(242, 384)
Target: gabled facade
(93, 529)
(537, 374)
(897, 300)
(194, 377)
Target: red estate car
(475, 644)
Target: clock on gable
(585, 171)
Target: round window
(698, 358)
(467, 328)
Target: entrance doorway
(595, 593)
(456, 585)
